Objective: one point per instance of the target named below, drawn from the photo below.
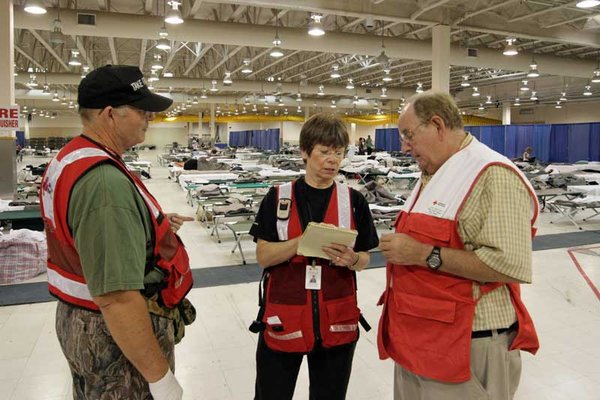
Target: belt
(490, 332)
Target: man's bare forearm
(128, 320)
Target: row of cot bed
(226, 191)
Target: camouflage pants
(99, 369)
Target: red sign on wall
(9, 118)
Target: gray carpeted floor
(218, 276)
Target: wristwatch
(434, 260)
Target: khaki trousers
(495, 375)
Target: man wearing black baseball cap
(114, 260)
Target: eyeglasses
(407, 135)
(338, 154)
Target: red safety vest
(65, 275)
(290, 309)
(427, 318)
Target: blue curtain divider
(550, 143)
(261, 139)
(387, 139)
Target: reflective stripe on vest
(71, 287)
(284, 192)
(343, 204)
(53, 173)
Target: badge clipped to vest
(284, 207)
(313, 277)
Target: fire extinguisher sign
(9, 118)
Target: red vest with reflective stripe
(427, 318)
(65, 274)
(289, 310)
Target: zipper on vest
(314, 295)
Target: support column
(440, 58)
(506, 113)
(8, 163)
(211, 122)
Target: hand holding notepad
(318, 235)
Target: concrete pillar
(8, 166)
(506, 113)
(211, 123)
(440, 58)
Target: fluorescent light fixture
(276, 51)
(298, 97)
(587, 3)
(481, 107)
(333, 105)
(173, 16)
(334, 71)
(247, 69)
(510, 49)
(153, 76)
(533, 71)
(475, 92)
(35, 7)
(386, 76)
(383, 92)
(55, 97)
(321, 91)
(315, 27)
(563, 96)
(465, 82)
(156, 64)
(227, 79)
(517, 102)
(533, 96)
(350, 84)
(419, 87)
(587, 91)
(596, 75)
(203, 95)
(163, 44)
(524, 87)
(195, 100)
(213, 87)
(74, 60)
(488, 99)
(167, 74)
(32, 81)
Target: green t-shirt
(112, 230)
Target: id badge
(313, 277)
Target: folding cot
(571, 208)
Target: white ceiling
(217, 35)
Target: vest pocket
(425, 324)
(285, 329)
(425, 307)
(342, 322)
(179, 279)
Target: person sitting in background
(527, 154)
(361, 146)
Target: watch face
(434, 261)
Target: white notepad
(317, 235)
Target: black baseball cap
(119, 85)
